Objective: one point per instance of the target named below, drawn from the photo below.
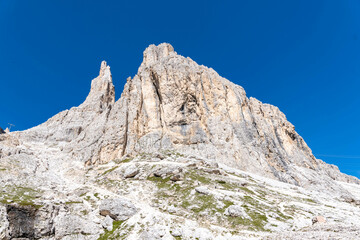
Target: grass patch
(196, 204)
(193, 176)
(169, 153)
(309, 200)
(109, 170)
(245, 189)
(282, 216)
(73, 202)
(205, 203)
(107, 235)
(23, 196)
(256, 223)
(126, 160)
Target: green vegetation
(309, 200)
(169, 153)
(73, 202)
(23, 196)
(256, 200)
(245, 189)
(119, 231)
(107, 235)
(109, 170)
(198, 204)
(119, 161)
(84, 212)
(282, 216)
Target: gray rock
(236, 211)
(176, 178)
(202, 190)
(153, 233)
(165, 171)
(4, 223)
(21, 221)
(176, 232)
(172, 209)
(118, 209)
(131, 171)
(68, 224)
(172, 114)
(107, 223)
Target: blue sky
(302, 56)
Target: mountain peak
(104, 68)
(155, 53)
(181, 145)
(102, 92)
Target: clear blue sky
(302, 56)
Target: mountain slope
(177, 126)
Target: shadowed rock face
(174, 103)
(21, 221)
(1, 131)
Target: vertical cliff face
(174, 103)
(167, 158)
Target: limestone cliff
(183, 153)
(174, 103)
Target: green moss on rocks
(109, 170)
(108, 235)
(23, 196)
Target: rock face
(236, 211)
(183, 152)
(117, 209)
(174, 103)
(21, 222)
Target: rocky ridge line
(174, 103)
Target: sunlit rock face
(174, 103)
(176, 121)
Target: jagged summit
(183, 153)
(174, 103)
(102, 92)
(155, 53)
(104, 68)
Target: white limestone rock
(67, 224)
(119, 209)
(202, 190)
(4, 224)
(191, 129)
(131, 171)
(236, 211)
(107, 223)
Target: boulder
(202, 190)
(176, 177)
(153, 233)
(119, 209)
(69, 224)
(165, 171)
(236, 211)
(131, 171)
(107, 223)
(318, 219)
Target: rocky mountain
(183, 154)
